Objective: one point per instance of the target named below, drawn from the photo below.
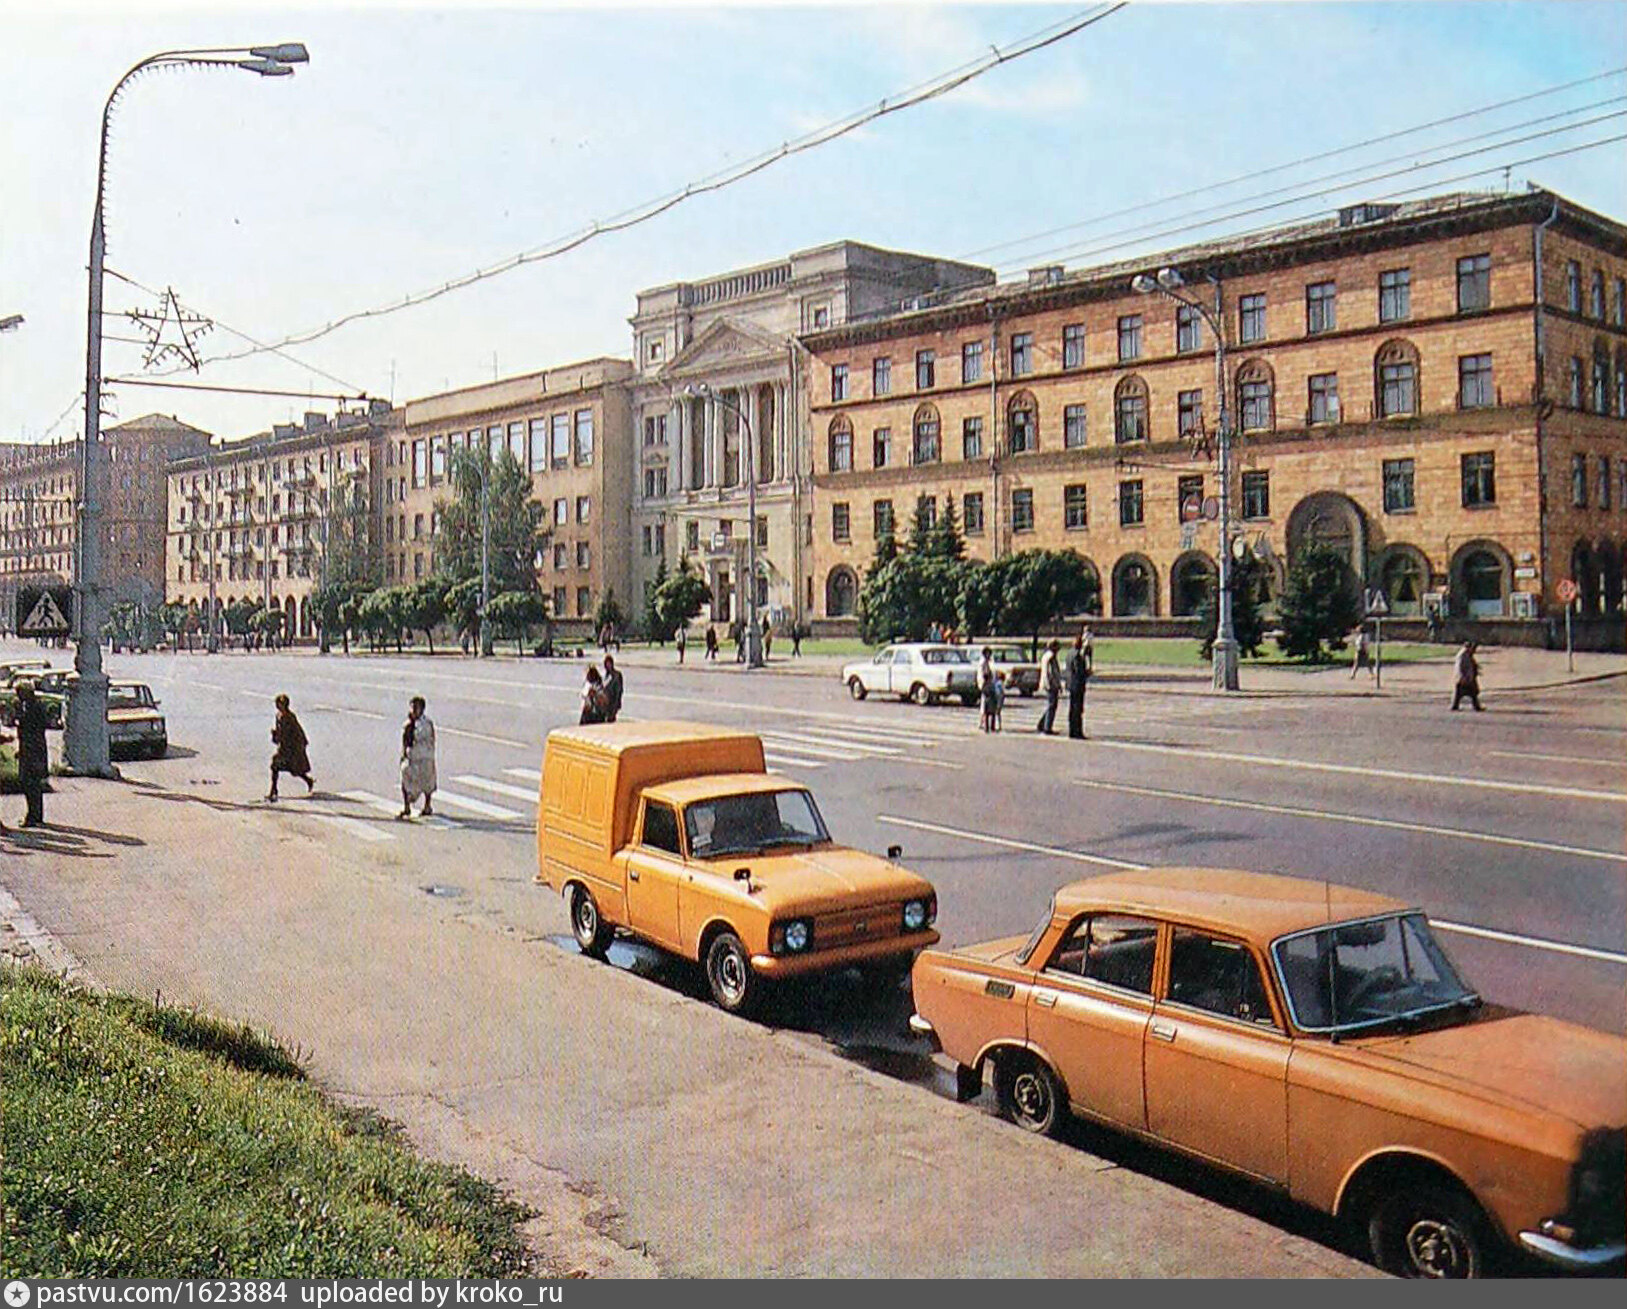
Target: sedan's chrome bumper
(921, 1027)
(1565, 1255)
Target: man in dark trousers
(612, 689)
(33, 760)
(1466, 677)
(1078, 675)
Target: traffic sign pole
(1570, 648)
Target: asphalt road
(1507, 826)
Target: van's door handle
(1045, 999)
(1163, 1032)
(632, 874)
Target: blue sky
(423, 142)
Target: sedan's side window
(1218, 976)
(661, 827)
(1115, 949)
(885, 657)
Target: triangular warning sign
(45, 618)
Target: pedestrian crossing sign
(43, 611)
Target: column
(782, 461)
(714, 444)
(677, 463)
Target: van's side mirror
(895, 852)
(742, 874)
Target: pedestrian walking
(768, 643)
(291, 755)
(1360, 656)
(1466, 677)
(985, 689)
(737, 634)
(612, 689)
(682, 641)
(1078, 676)
(1051, 682)
(711, 641)
(33, 758)
(417, 759)
(796, 640)
(593, 700)
(999, 698)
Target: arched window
(1022, 423)
(841, 592)
(1191, 581)
(926, 446)
(841, 445)
(1404, 577)
(1601, 377)
(1135, 588)
(1130, 410)
(1621, 381)
(1255, 394)
(1395, 379)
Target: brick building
(570, 427)
(1438, 389)
(258, 513)
(39, 510)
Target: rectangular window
(1574, 389)
(1479, 479)
(1130, 416)
(1398, 390)
(539, 444)
(1474, 382)
(1579, 481)
(661, 540)
(437, 460)
(841, 528)
(1251, 318)
(971, 512)
(1573, 286)
(584, 555)
(762, 531)
(1256, 405)
(1321, 307)
(419, 468)
(926, 511)
(841, 450)
(1022, 354)
(1188, 329)
(1324, 398)
(881, 447)
(926, 370)
(559, 601)
(1130, 514)
(882, 518)
(1604, 481)
(584, 437)
(838, 381)
(1074, 514)
(971, 438)
(1024, 438)
(1189, 413)
(516, 442)
(559, 448)
(584, 602)
(1595, 295)
(971, 361)
(584, 508)
(881, 376)
(1073, 426)
(562, 511)
(655, 429)
(1257, 495)
(494, 441)
(649, 540)
(1399, 493)
(1188, 495)
(692, 535)
(560, 551)
(1618, 302)
(1129, 337)
(1022, 510)
(1474, 283)
(1601, 384)
(925, 445)
(1394, 295)
(1073, 345)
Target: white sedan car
(915, 671)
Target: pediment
(725, 344)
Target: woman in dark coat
(33, 759)
(290, 756)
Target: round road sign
(1191, 508)
(1211, 507)
(1567, 590)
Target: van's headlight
(797, 935)
(915, 915)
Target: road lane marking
(354, 826)
(824, 736)
(391, 810)
(475, 806)
(341, 709)
(1560, 758)
(497, 788)
(1466, 929)
(481, 736)
(774, 739)
(1076, 855)
(1536, 942)
(529, 774)
(790, 761)
(1333, 817)
(1359, 770)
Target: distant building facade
(718, 397)
(1437, 389)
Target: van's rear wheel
(592, 933)
(735, 986)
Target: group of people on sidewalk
(737, 634)
(991, 684)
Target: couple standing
(1081, 663)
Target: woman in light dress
(417, 759)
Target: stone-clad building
(1437, 388)
(39, 510)
(717, 360)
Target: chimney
(1049, 275)
(315, 422)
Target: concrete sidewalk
(654, 1134)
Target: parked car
(13, 671)
(917, 671)
(1313, 1037)
(1011, 658)
(53, 689)
(678, 834)
(134, 725)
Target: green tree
(609, 613)
(946, 541)
(1248, 623)
(176, 620)
(463, 607)
(650, 618)
(383, 615)
(517, 531)
(905, 596)
(424, 607)
(515, 613)
(337, 606)
(349, 561)
(1025, 591)
(679, 598)
(1319, 604)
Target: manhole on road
(442, 892)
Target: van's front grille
(852, 926)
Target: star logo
(172, 332)
(18, 1294)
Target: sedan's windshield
(744, 824)
(1355, 975)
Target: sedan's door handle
(1045, 999)
(1163, 1032)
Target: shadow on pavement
(66, 842)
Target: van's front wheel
(729, 974)
(592, 933)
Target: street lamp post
(84, 744)
(754, 632)
(1168, 283)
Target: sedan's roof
(1256, 906)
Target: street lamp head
(1169, 279)
(266, 67)
(1141, 284)
(290, 52)
(11, 322)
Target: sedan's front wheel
(1029, 1094)
(1429, 1230)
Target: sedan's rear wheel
(1429, 1230)
(1029, 1094)
(856, 688)
(588, 926)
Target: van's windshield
(748, 824)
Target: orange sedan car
(1313, 1037)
